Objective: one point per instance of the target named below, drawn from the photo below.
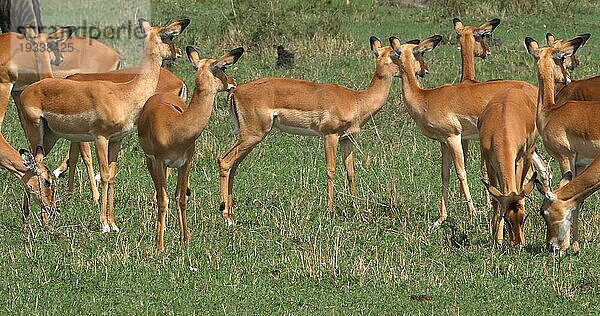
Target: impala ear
(544, 190)
(585, 37)
(458, 25)
(488, 27)
(566, 178)
(193, 56)
(529, 185)
(176, 27)
(63, 34)
(550, 39)
(39, 154)
(532, 47)
(375, 45)
(28, 160)
(428, 44)
(495, 193)
(571, 47)
(395, 44)
(230, 58)
(144, 26)
(28, 32)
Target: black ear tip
(374, 39)
(528, 40)
(237, 51)
(549, 34)
(72, 29)
(415, 41)
(141, 20)
(393, 38)
(436, 38)
(455, 20)
(189, 49)
(22, 151)
(184, 22)
(494, 22)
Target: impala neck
(375, 96)
(11, 160)
(468, 60)
(143, 85)
(42, 63)
(583, 185)
(195, 118)
(411, 90)
(546, 87)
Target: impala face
(39, 183)
(558, 216)
(410, 54)
(52, 44)
(163, 37)
(553, 58)
(570, 62)
(476, 37)
(211, 72)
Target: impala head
(557, 214)
(410, 54)
(551, 59)
(512, 208)
(161, 37)
(210, 73)
(476, 37)
(385, 58)
(49, 43)
(572, 61)
(38, 182)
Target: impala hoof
(576, 247)
(105, 229)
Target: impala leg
(228, 163)
(446, 160)
(72, 158)
(497, 219)
(455, 147)
(157, 171)
(113, 153)
(465, 148)
(101, 145)
(4, 97)
(485, 175)
(183, 177)
(64, 165)
(348, 157)
(565, 165)
(86, 154)
(331, 143)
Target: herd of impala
(78, 94)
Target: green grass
(289, 254)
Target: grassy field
(288, 254)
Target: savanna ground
(375, 254)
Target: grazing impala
(569, 130)
(560, 208)
(99, 111)
(448, 113)
(168, 82)
(507, 136)
(19, 64)
(301, 107)
(168, 129)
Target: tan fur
(448, 113)
(303, 107)
(507, 136)
(168, 82)
(99, 111)
(168, 129)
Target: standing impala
(507, 136)
(301, 107)
(448, 113)
(99, 111)
(168, 82)
(569, 131)
(168, 129)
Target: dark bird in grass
(285, 58)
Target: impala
(560, 208)
(448, 113)
(301, 107)
(168, 129)
(168, 82)
(19, 63)
(507, 136)
(569, 130)
(99, 111)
